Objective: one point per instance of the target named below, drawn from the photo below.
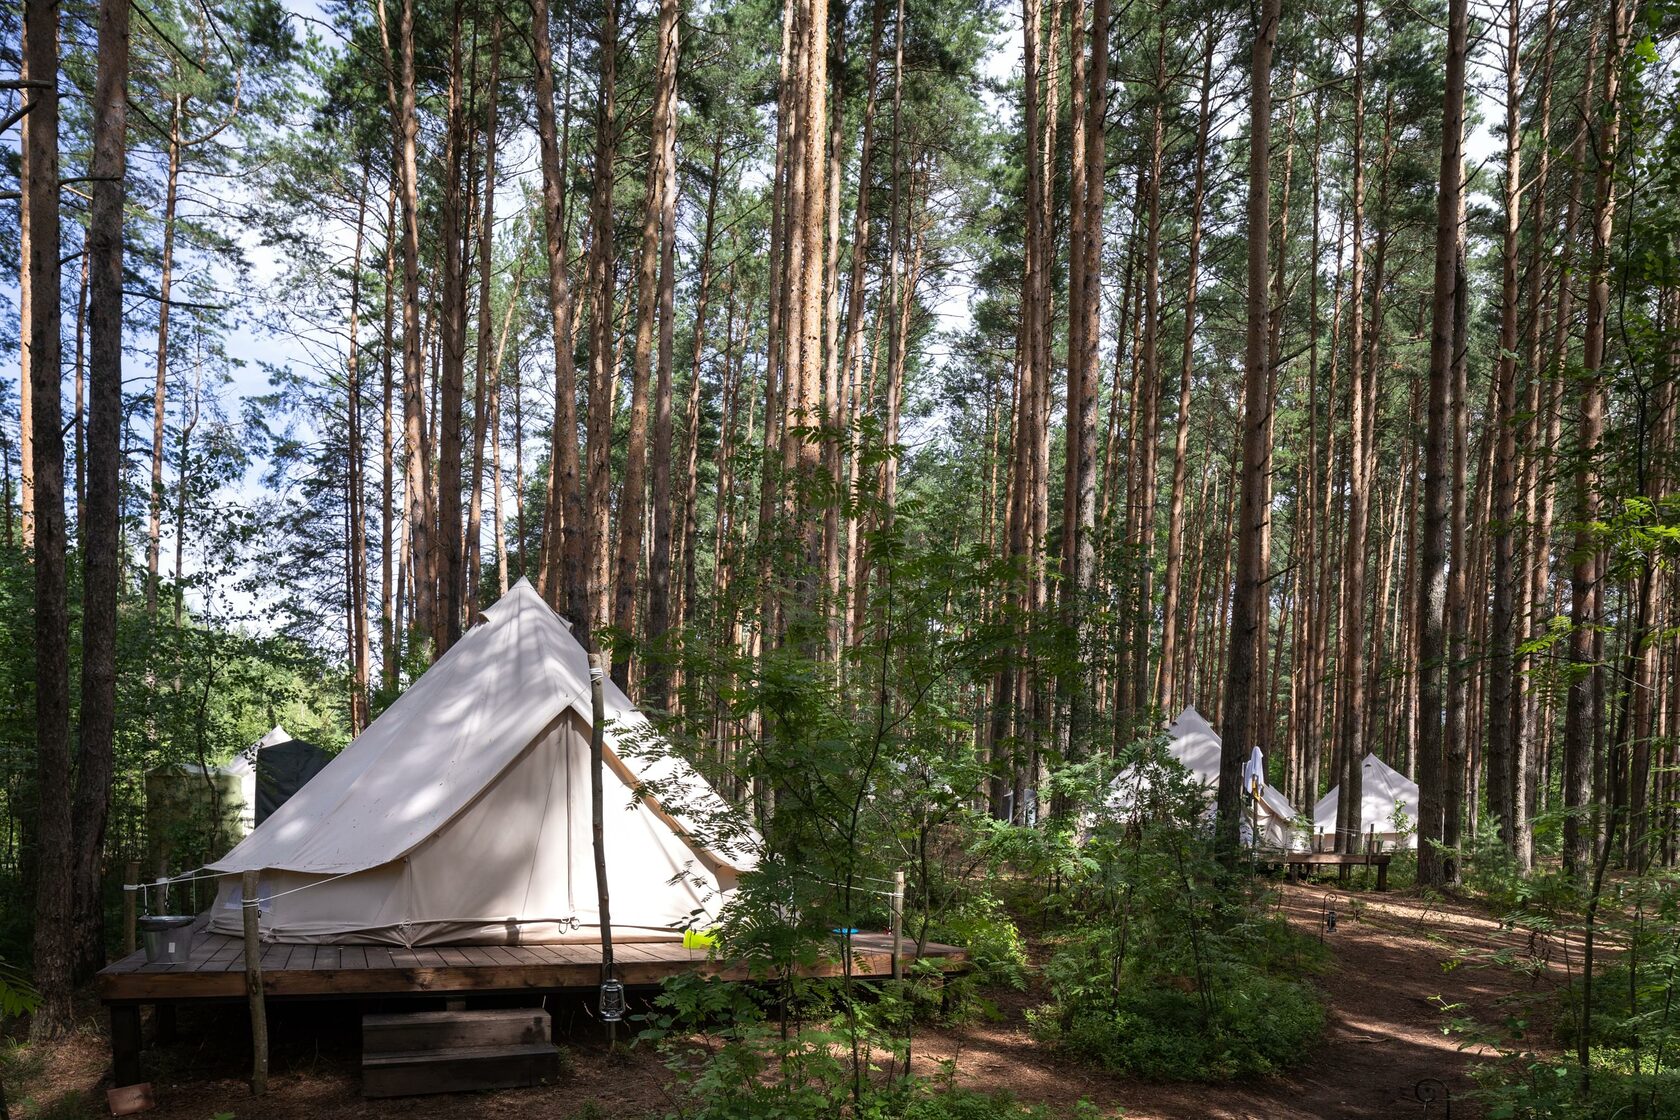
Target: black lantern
(612, 1001)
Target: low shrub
(1247, 1024)
(1167, 966)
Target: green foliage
(17, 995)
(1617, 1025)
(981, 924)
(733, 1062)
(1169, 968)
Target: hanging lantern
(612, 1001)
(1330, 921)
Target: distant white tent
(1387, 795)
(244, 767)
(1197, 747)
(462, 814)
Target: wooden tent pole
(130, 911)
(250, 910)
(597, 688)
(898, 925)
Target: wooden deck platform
(1298, 863)
(216, 971)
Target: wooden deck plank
(349, 970)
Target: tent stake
(249, 905)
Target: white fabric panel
(1383, 790)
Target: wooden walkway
(216, 971)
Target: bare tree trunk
(483, 374)
(1455, 729)
(659, 564)
(26, 321)
(1504, 735)
(1432, 572)
(98, 516)
(1171, 689)
(603, 367)
(1237, 722)
(568, 585)
(417, 476)
(390, 635)
(355, 490)
(452, 373)
(632, 502)
(1577, 761)
(1583, 713)
(166, 276)
(55, 884)
(1350, 660)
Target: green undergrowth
(1162, 964)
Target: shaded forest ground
(1384, 1036)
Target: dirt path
(1383, 1037)
(1384, 1034)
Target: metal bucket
(168, 938)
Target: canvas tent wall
(461, 815)
(1196, 746)
(1388, 797)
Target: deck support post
(125, 1044)
(130, 912)
(250, 905)
(163, 1022)
(898, 925)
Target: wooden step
(458, 1069)
(448, 1030)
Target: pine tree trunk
(1171, 693)
(483, 375)
(565, 562)
(603, 366)
(54, 947)
(1584, 712)
(1237, 725)
(659, 564)
(1577, 762)
(417, 476)
(160, 388)
(98, 518)
(1504, 733)
(390, 633)
(452, 373)
(354, 488)
(633, 495)
(1350, 659)
(26, 321)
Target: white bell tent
(1387, 806)
(1196, 746)
(462, 814)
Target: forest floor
(1384, 1035)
